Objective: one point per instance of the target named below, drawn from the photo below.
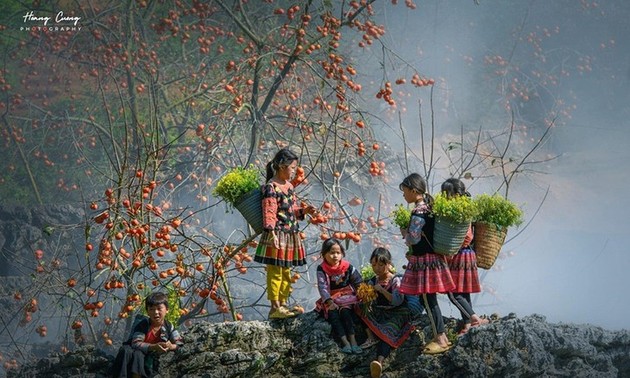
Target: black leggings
(342, 322)
(436, 313)
(383, 349)
(463, 304)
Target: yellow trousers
(278, 283)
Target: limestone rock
(303, 347)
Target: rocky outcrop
(54, 228)
(302, 347)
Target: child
(337, 281)
(280, 245)
(427, 272)
(150, 337)
(388, 318)
(464, 268)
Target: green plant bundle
(458, 209)
(236, 183)
(497, 210)
(367, 272)
(401, 216)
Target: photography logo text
(52, 23)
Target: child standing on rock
(427, 273)
(337, 281)
(463, 266)
(280, 246)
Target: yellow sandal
(281, 313)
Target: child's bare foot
(478, 321)
(442, 341)
(465, 328)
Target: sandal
(281, 313)
(435, 348)
(448, 342)
(292, 312)
(297, 309)
(369, 343)
(347, 349)
(357, 349)
(376, 369)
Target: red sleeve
(469, 237)
(269, 208)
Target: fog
(568, 62)
(570, 263)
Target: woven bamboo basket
(488, 242)
(448, 236)
(250, 207)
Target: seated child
(337, 281)
(150, 337)
(388, 317)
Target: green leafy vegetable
(497, 210)
(457, 209)
(236, 183)
(401, 216)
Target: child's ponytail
(428, 199)
(269, 172)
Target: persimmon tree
(136, 115)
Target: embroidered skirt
(290, 251)
(426, 274)
(464, 272)
(390, 324)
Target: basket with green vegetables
(401, 216)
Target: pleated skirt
(464, 272)
(290, 251)
(426, 274)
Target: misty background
(572, 261)
(566, 62)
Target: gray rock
(303, 347)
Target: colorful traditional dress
(463, 266)
(427, 272)
(389, 321)
(281, 213)
(464, 272)
(337, 282)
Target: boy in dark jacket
(150, 337)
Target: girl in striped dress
(463, 268)
(280, 246)
(427, 273)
